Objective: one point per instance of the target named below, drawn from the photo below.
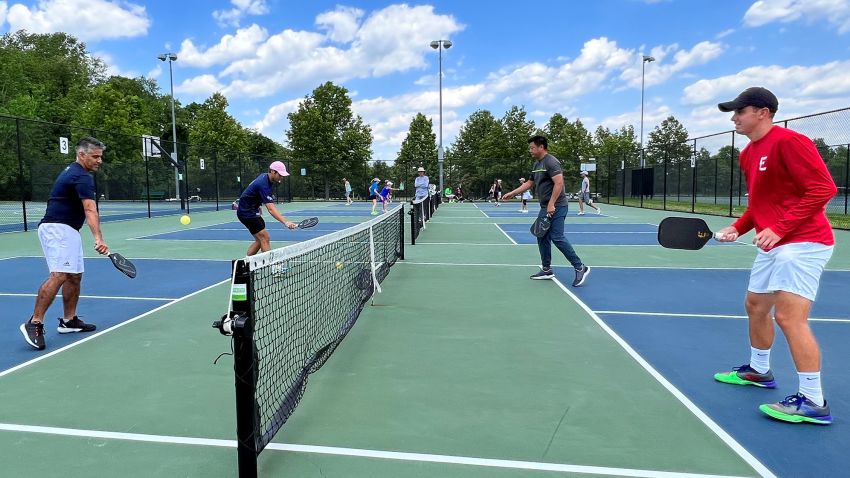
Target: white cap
(279, 167)
(375, 179)
(583, 173)
(420, 170)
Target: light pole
(441, 45)
(171, 57)
(646, 59)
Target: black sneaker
(33, 333)
(74, 325)
(543, 275)
(581, 275)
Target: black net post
(245, 369)
(401, 234)
(21, 173)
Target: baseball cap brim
(279, 167)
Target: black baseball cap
(754, 96)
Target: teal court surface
(460, 367)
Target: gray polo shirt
(542, 174)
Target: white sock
(760, 360)
(810, 387)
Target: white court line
(360, 453)
(505, 233)
(703, 316)
(106, 331)
(160, 299)
(595, 266)
(720, 432)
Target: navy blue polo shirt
(257, 193)
(65, 205)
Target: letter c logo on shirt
(763, 163)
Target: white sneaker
(598, 211)
(580, 213)
(525, 211)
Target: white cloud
(725, 33)
(88, 20)
(3, 9)
(199, 86)
(112, 69)
(600, 65)
(664, 67)
(393, 39)
(230, 48)
(275, 122)
(819, 81)
(241, 9)
(341, 24)
(836, 12)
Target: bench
(154, 195)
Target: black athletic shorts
(254, 224)
(373, 196)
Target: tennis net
(421, 211)
(290, 309)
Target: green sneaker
(745, 375)
(797, 409)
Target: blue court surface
(235, 231)
(108, 298)
(599, 234)
(688, 324)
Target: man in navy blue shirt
(71, 203)
(258, 193)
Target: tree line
(53, 78)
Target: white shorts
(62, 246)
(794, 268)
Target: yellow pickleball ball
(185, 220)
(340, 264)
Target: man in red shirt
(789, 187)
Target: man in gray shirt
(548, 177)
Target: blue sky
(582, 59)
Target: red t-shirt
(789, 187)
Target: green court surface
(461, 367)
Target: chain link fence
(134, 181)
(702, 175)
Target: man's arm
(557, 190)
(277, 215)
(93, 220)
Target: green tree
(419, 148)
(668, 140)
(516, 129)
(46, 76)
(472, 155)
(326, 134)
(571, 143)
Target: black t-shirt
(542, 174)
(65, 205)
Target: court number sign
(63, 145)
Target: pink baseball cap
(279, 167)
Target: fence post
(664, 204)
(846, 176)
(21, 172)
(731, 173)
(147, 182)
(694, 180)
